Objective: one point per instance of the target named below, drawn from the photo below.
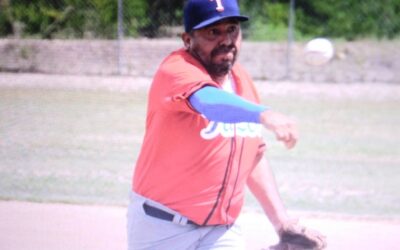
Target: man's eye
(213, 32)
(232, 29)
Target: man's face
(216, 46)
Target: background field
(73, 81)
(78, 144)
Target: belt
(160, 214)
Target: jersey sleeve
(178, 77)
(221, 106)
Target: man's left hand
(296, 237)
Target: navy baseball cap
(201, 13)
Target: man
(203, 142)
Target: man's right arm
(220, 106)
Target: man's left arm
(263, 185)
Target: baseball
(318, 51)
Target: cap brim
(217, 19)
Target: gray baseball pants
(151, 233)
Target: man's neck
(220, 79)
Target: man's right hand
(282, 126)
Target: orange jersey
(194, 166)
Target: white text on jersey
(228, 130)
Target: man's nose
(226, 39)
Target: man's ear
(187, 39)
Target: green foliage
(135, 16)
(33, 17)
(161, 13)
(261, 31)
(73, 18)
(5, 25)
(350, 19)
(268, 21)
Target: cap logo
(220, 7)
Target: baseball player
(203, 143)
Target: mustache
(223, 49)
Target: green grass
(69, 146)
(80, 147)
(348, 157)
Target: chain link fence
(130, 37)
(100, 19)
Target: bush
(72, 18)
(339, 19)
(350, 19)
(5, 24)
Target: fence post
(290, 39)
(120, 35)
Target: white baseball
(318, 51)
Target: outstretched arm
(221, 106)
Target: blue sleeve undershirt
(221, 106)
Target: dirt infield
(37, 226)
